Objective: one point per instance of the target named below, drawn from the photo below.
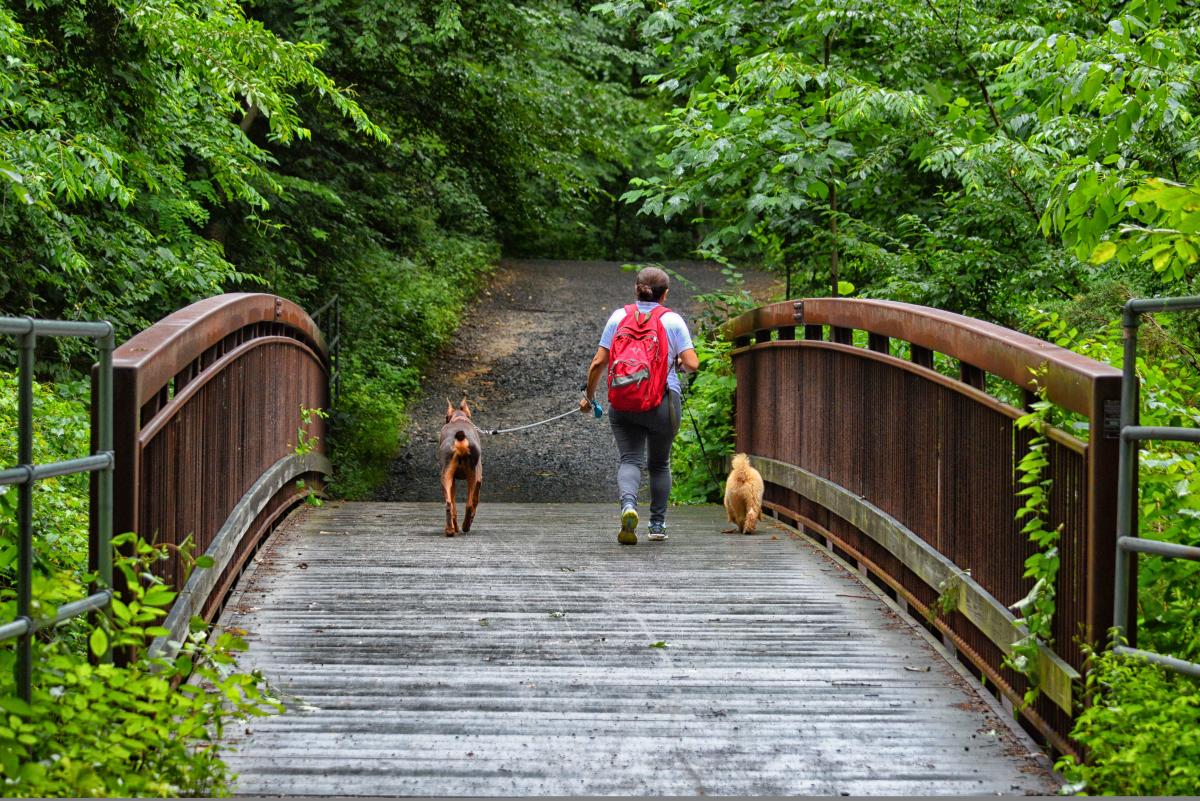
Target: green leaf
(120, 610)
(1103, 252)
(158, 595)
(98, 641)
(16, 706)
(9, 762)
(1162, 259)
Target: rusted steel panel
(206, 401)
(990, 347)
(1100, 486)
(161, 351)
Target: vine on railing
(1037, 608)
(307, 443)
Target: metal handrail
(334, 341)
(27, 330)
(1129, 544)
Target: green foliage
(119, 137)
(922, 148)
(705, 436)
(1166, 234)
(97, 729)
(60, 512)
(1142, 731)
(398, 318)
(1139, 728)
(306, 443)
(1122, 89)
(1169, 479)
(1037, 608)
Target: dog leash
(597, 410)
(684, 386)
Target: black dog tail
(460, 435)
(462, 448)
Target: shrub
(1142, 731)
(706, 432)
(396, 318)
(1141, 728)
(61, 426)
(98, 729)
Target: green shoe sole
(628, 533)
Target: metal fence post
(104, 479)
(25, 473)
(1129, 544)
(1126, 473)
(24, 665)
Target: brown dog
(743, 495)
(458, 449)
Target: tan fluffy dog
(743, 495)
(460, 457)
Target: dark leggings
(647, 434)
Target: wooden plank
(973, 601)
(518, 660)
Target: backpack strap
(631, 312)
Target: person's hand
(585, 405)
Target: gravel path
(521, 355)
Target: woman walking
(640, 348)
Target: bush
(97, 729)
(60, 505)
(706, 432)
(395, 319)
(102, 730)
(1142, 731)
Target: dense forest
(1030, 162)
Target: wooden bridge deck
(518, 660)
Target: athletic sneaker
(658, 532)
(629, 521)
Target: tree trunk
(833, 226)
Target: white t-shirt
(679, 338)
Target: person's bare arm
(595, 371)
(688, 361)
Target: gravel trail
(521, 355)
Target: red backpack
(638, 361)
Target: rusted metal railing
(912, 473)
(208, 409)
